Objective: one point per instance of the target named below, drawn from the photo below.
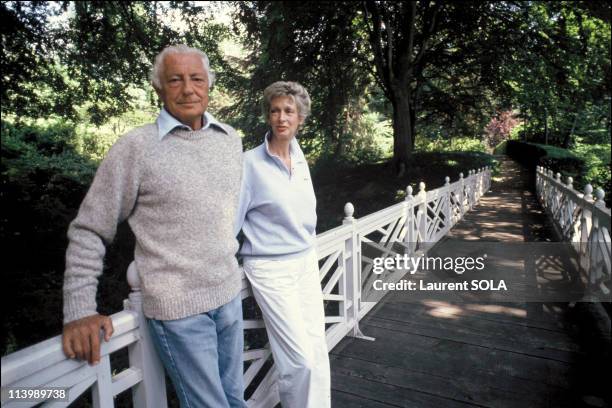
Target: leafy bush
(500, 128)
(458, 144)
(554, 158)
(588, 164)
(597, 165)
(368, 140)
(44, 181)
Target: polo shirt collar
(293, 145)
(167, 123)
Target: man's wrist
(73, 317)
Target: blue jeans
(203, 356)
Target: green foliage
(371, 187)
(559, 77)
(597, 165)
(28, 149)
(459, 144)
(314, 43)
(555, 152)
(586, 164)
(57, 58)
(368, 138)
(44, 180)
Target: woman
(278, 218)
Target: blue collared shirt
(166, 123)
(277, 210)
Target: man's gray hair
(158, 66)
(286, 88)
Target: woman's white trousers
(289, 295)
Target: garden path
(434, 353)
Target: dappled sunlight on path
(443, 353)
(509, 212)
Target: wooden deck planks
(462, 390)
(439, 354)
(411, 362)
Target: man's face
(184, 88)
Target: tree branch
(377, 43)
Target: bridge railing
(582, 220)
(345, 261)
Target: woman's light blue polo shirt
(277, 210)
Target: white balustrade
(44, 365)
(411, 226)
(583, 221)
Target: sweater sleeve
(109, 201)
(244, 200)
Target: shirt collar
(293, 146)
(166, 123)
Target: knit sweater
(179, 195)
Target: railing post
(410, 237)
(448, 209)
(470, 182)
(550, 189)
(545, 185)
(482, 181)
(597, 266)
(468, 190)
(485, 171)
(542, 186)
(151, 391)
(569, 216)
(461, 194)
(353, 273)
(585, 229)
(474, 187)
(478, 185)
(102, 393)
(558, 194)
(422, 225)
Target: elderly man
(177, 183)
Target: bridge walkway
(482, 354)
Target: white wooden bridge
(422, 219)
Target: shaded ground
(449, 354)
(372, 187)
(508, 212)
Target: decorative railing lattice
(345, 258)
(583, 221)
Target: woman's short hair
(286, 88)
(158, 65)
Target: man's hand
(81, 338)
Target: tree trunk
(340, 149)
(545, 126)
(412, 126)
(402, 132)
(567, 141)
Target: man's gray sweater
(179, 195)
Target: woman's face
(284, 118)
